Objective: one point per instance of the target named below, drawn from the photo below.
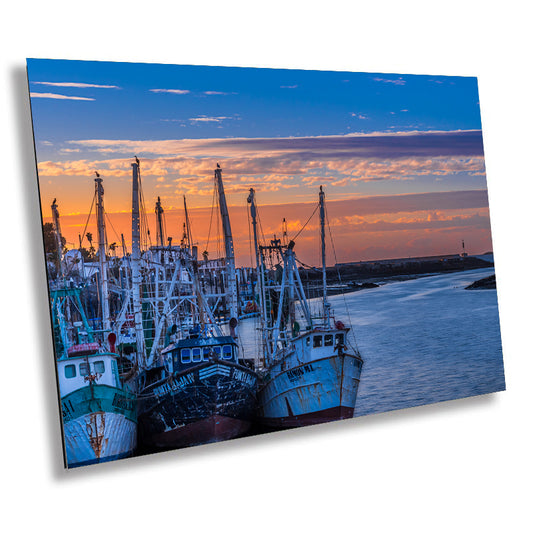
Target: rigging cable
(340, 279)
(112, 227)
(303, 227)
(211, 217)
(88, 218)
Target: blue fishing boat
(99, 409)
(99, 416)
(311, 373)
(201, 394)
(196, 389)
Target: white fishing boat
(99, 416)
(311, 372)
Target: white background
(461, 466)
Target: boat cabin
(186, 353)
(317, 344)
(77, 372)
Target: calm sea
(425, 340)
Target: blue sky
(241, 102)
(283, 132)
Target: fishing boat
(99, 414)
(201, 394)
(311, 374)
(196, 389)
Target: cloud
(417, 221)
(204, 118)
(369, 227)
(288, 86)
(216, 93)
(58, 96)
(342, 161)
(382, 145)
(405, 168)
(397, 81)
(75, 84)
(359, 115)
(171, 91)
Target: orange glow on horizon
(357, 237)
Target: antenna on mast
(325, 303)
(284, 229)
(160, 231)
(187, 225)
(59, 238)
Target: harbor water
(423, 341)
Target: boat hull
(99, 425)
(210, 402)
(311, 393)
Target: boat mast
(160, 233)
(57, 231)
(325, 303)
(136, 263)
(228, 243)
(187, 227)
(102, 251)
(253, 215)
(259, 267)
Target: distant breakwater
(346, 278)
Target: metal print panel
(233, 251)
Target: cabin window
(206, 353)
(70, 371)
(317, 341)
(339, 339)
(328, 340)
(99, 367)
(226, 352)
(217, 350)
(196, 355)
(84, 369)
(186, 356)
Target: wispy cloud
(396, 81)
(359, 115)
(204, 118)
(75, 84)
(58, 96)
(171, 91)
(288, 86)
(382, 145)
(216, 93)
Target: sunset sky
(400, 156)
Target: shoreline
(346, 286)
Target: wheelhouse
(317, 344)
(77, 372)
(189, 352)
(326, 339)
